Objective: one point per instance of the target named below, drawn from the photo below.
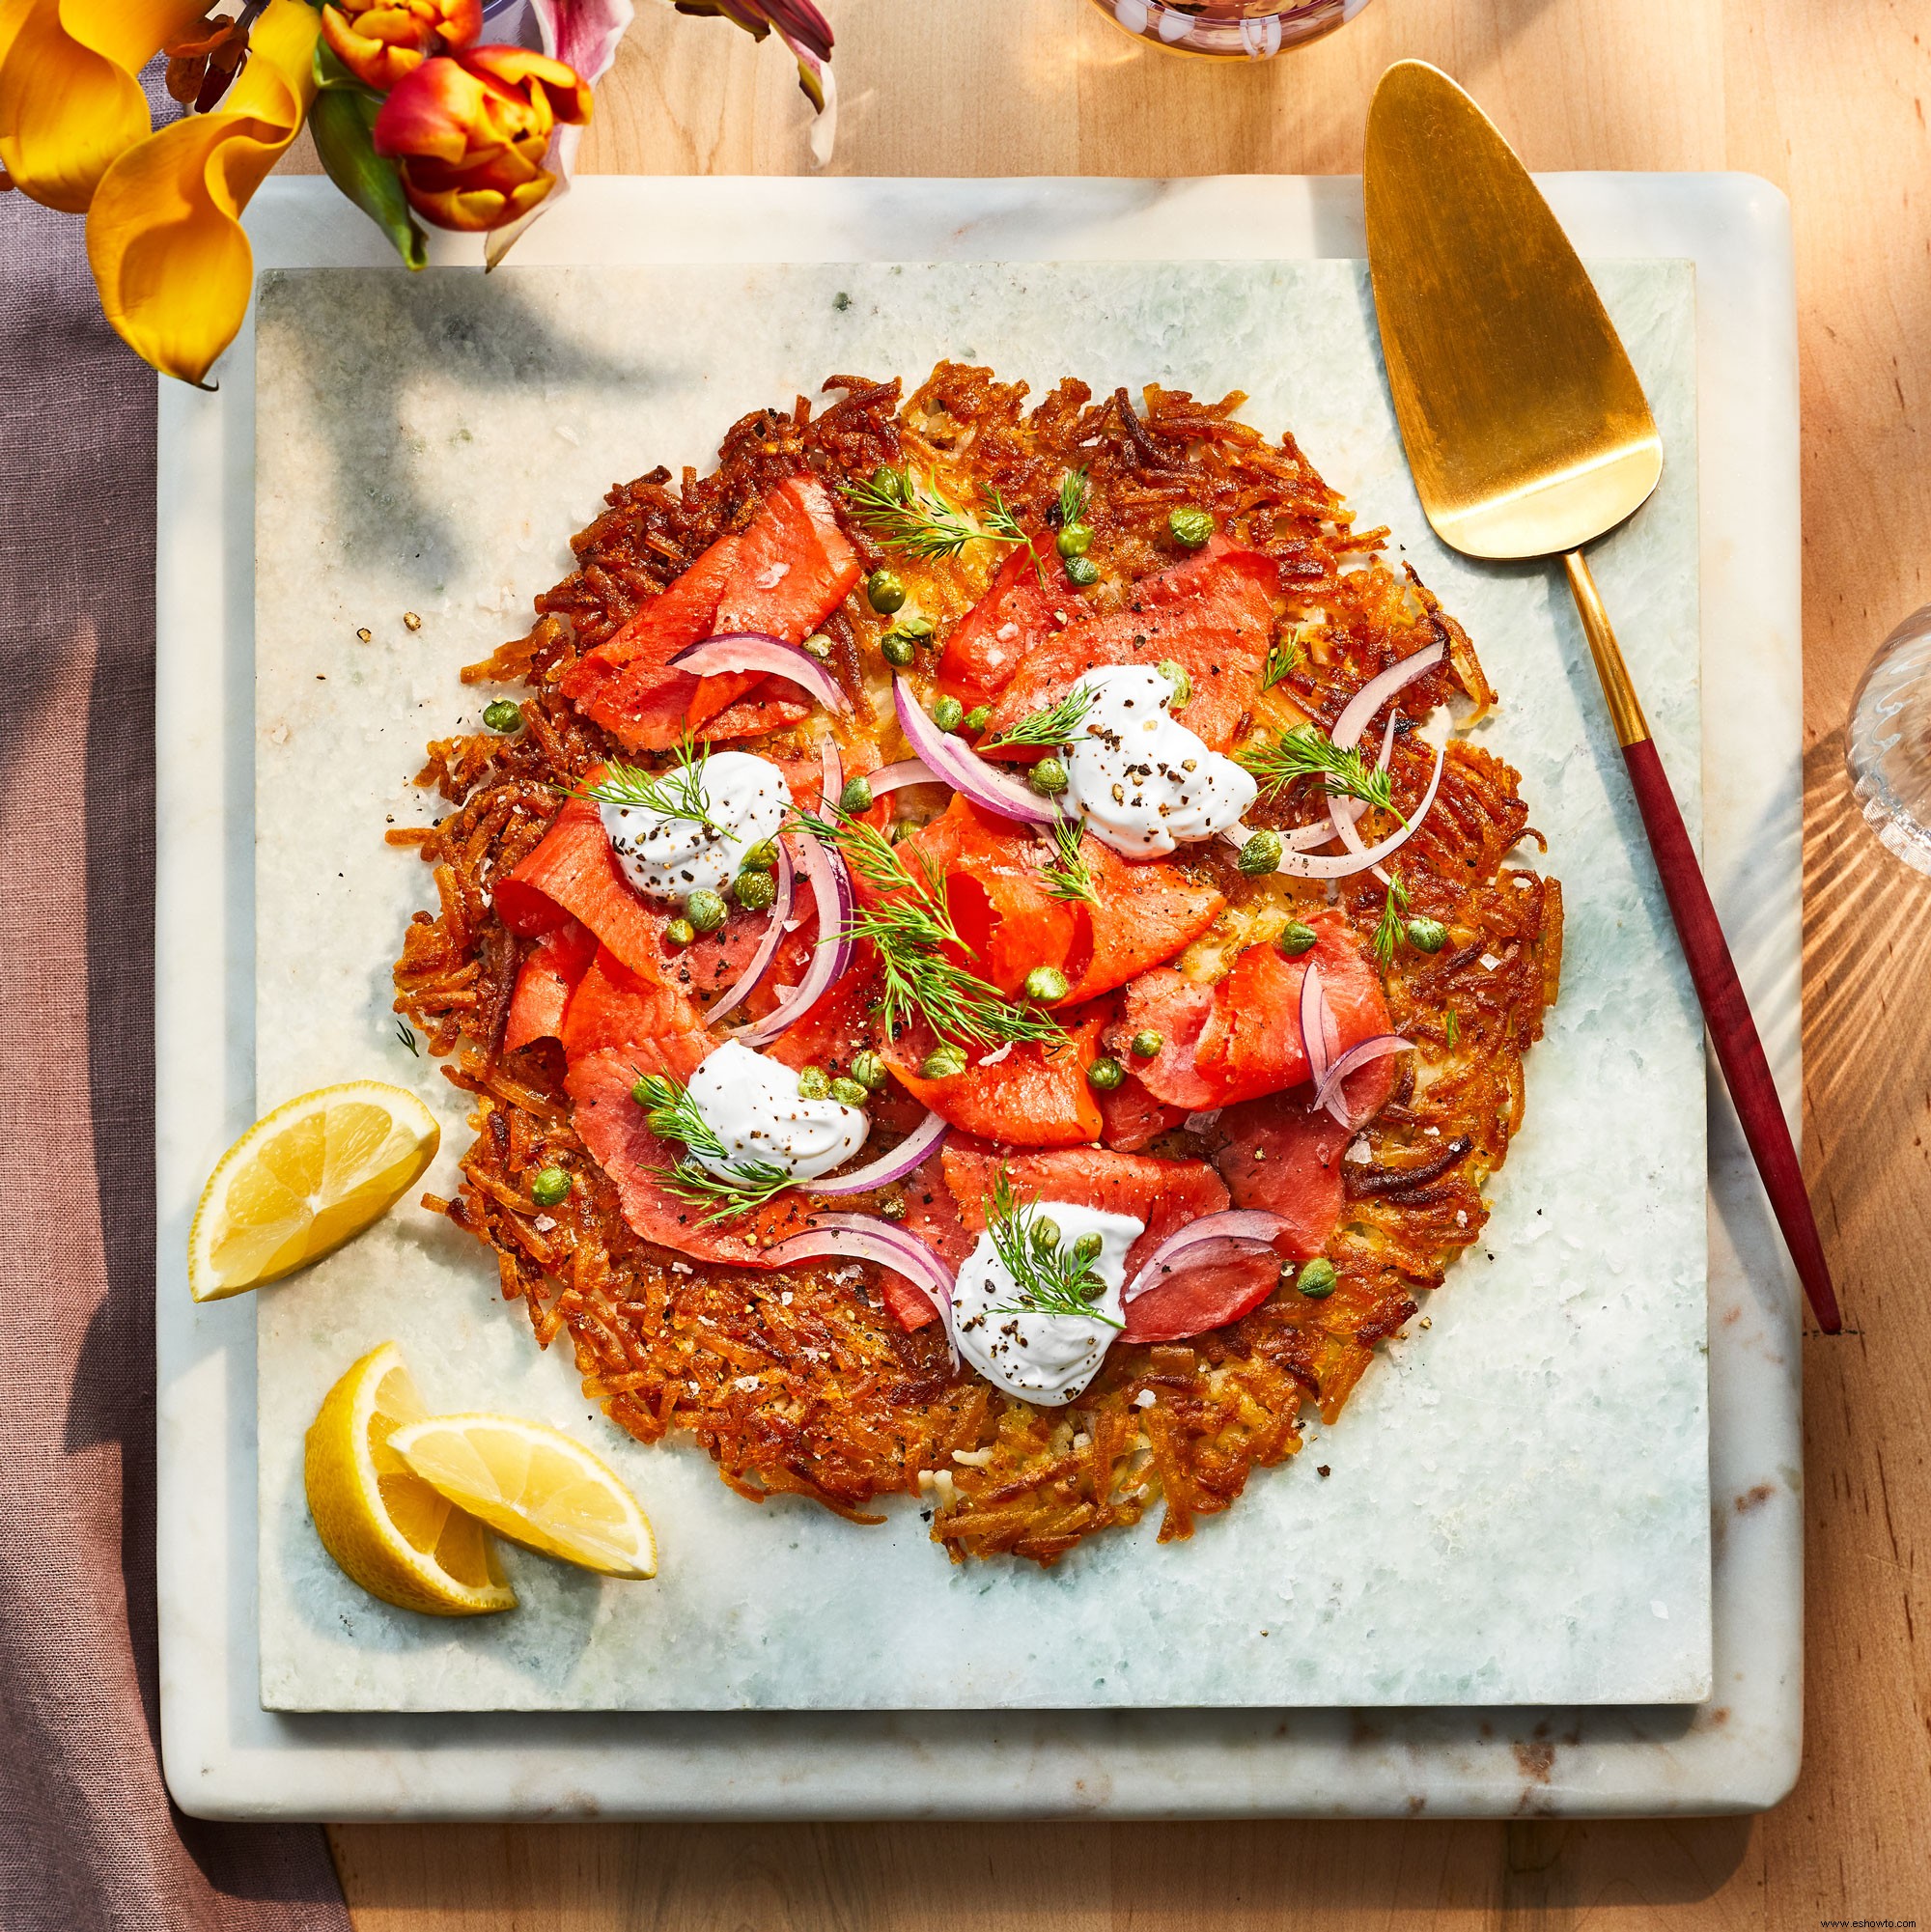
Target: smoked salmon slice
(999, 900)
(1031, 1096)
(1241, 1038)
(573, 873)
(611, 1125)
(1213, 614)
(1011, 621)
(1284, 1158)
(614, 1008)
(1162, 1194)
(548, 976)
(784, 575)
(1133, 1116)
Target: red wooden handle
(1732, 1030)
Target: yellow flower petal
(70, 102)
(173, 265)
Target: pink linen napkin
(88, 1838)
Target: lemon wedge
(390, 1531)
(536, 1485)
(305, 1179)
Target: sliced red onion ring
(1250, 1224)
(831, 771)
(864, 1238)
(907, 771)
(831, 890)
(1305, 865)
(1377, 690)
(755, 651)
(929, 1134)
(1345, 814)
(1316, 1023)
(768, 946)
(1328, 1086)
(1302, 838)
(957, 765)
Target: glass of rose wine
(1229, 29)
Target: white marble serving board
(1519, 1506)
(697, 1765)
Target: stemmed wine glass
(1229, 29)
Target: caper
(755, 892)
(1427, 935)
(1046, 1234)
(869, 1070)
(857, 797)
(818, 646)
(1048, 778)
(916, 623)
(1147, 1043)
(849, 1093)
(1082, 570)
(977, 718)
(503, 715)
(550, 1186)
(1106, 1075)
(1261, 853)
(885, 592)
(812, 1083)
(947, 713)
(941, 1063)
(1074, 540)
(898, 648)
(1175, 674)
(706, 909)
(1046, 984)
(1086, 1249)
(1296, 938)
(761, 858)
(679, 932)
(1190, 526)
(1317, 1280)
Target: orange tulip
(382, 41)
(471, 133)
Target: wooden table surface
(1827, 98)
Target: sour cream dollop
(752, 1104)
(1040, 1357)
(671, 857)
(1139, 778)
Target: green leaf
(342, 121)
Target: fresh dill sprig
(1283, 659)
(1388, 932)
(906, 514)
(1068, 875)
(408, 1038)
(1075, 491)
(1003, 524)
(1052, 1277)
(671, 1114)
(1308, 752)
(749, 1185)
(1451, 1028)
(909, 934)
(1058, 723)
(676, 793)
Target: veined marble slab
(1518, 1509)
(226, 1756)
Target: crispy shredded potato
(798, 1382)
